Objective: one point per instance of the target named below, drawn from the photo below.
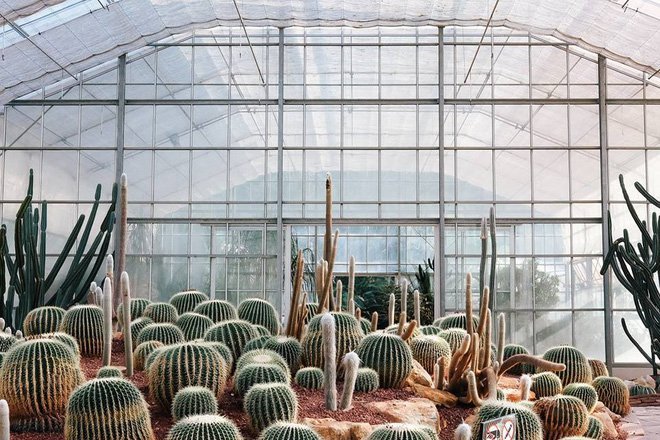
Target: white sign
(503, 428)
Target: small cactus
(310, 378)
(204, 427)
(137, 308)
(389, 356)
(598, 368)
(168, 334)
(512, 350)
(457, 320)
(161, 313)
(546, 384)
(256, 343)
(288, 431)
(641, 390)
(142, 351)
(260, 312)
(366, 380)
(185, 302)
(583, 391)
(577, 365)
(268, 403)
(595, 429)
(289, 348)
(193, 401)
(262, 357)
(454, 337)
(234, 334)
(348, 335)
(85, 323)
(193, 325)
(614, 394)
(528, 424)
(562, 416)
(136, 327)
(401, 431)
(107, 408)
(41, 320)
(109, 372)
(217, 310)
(253, 374)
(427, 349)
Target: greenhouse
(339, 216)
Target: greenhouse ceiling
(44, 41)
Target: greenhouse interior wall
(226, 144)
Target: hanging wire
(481, 40)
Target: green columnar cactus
(614, 394)
(249, 375)
(512, 350)
(142, 351)
(583, 391)
(234, 334)
(595, 429)
(457, 320)
(427, 349)
(261, 330)
(430, 330)
(36, 379)
(224, 351)
(193, 401)
(6, 341)
(366, 380)
(204, 367)
(528, 424)
(562, 416)
(598, 368)
(365, 325)
(64, 338)
(454, 337)
(641, 390)
(288, 431)
(261, 356)
(289, 348)
(577, 365)
(546, 384)
(185, 302)
(348, 336)
(161, 313)
(256, 343)
(137, 309)
(108, 372)
(260, 312)
(193, 325)
(85, 323)
(269, 403)
(204, 427)
(401, 431)
(41, 320)
(217, 310)
(136, 327)
(310, 378)
(107, 408)
(389, 356)
(168, 334)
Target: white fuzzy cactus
(128, 337)
(329, 366)
(404, 295)
(525, 386)
(107, 321)
(463, 432)
(351, 363)
(4, 420)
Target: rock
(419, 375)
(439, 397)
(331, 429)
(600, 407)
(647, 381)
(417, 411)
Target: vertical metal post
(280, 175)
(605, 197)
(439, 273)
(119, 155)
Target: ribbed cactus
(583, 391)
(457, 320)
(41, 320)
(161, 313)
(259, 312)
(205, 427)
(289, 348)
(109, 372)
(577, 365)
(528, 424)
(427, 349)
(310, 378)
(288, 431)
(224, 351)
(36, 379)
(193, 401)
(234, 334)
(136, 327)
(185, 302)
(6, 341)
(168, 334)
(614, 394)
(430, 330)
(261, 330)
(151, 357)
(562, 416)
(85, 323)
(641, 390)
(137, 309)
(217, 310)
(64, 338)
(348, 336)
(263, 357)
(546, 384)
(142, 351)
(266, 404)
(598, 368)
(388, 355)
(595, 429)
(107, 408)
(366, 380)
(454, 337)
(256, 343)
(365, 325)
(512, 350)
(401, 431)
(204, 367)
(253, 374)
(193, 325)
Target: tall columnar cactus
(528, 424)
(161, 313)
(427, 349)
(614, 394)
(598, 368)
(122, 239)
(288, 431)
(36, 379)
(193, 401)
(204, 367)
(350, 364)
(577, 365)
(107, 322)
(546, 384)
(595, 429)
(41, 320)
(137, 325)
(287, 347)
(234, 334)
(137, 309)
(108, 372)
(562, 416)
(107, 408)
(329, 344)
(454, 337)
(457, 320)
(193, 325)
(512, 350)
(85, 323)
(142, 351)
(389, 356)
(348, 336)
(250, 375)
(185, 302)
(401, 431)
(260, 312)
(217, 310)
(583, 391)
(168, 334)
(311, 378)
(204, 427)
(366, 380)
(128, 331)
(266, 404)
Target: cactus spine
(259, 312)
(351, 363)
(193, 401)
(85, 323)
(614, 394)
(329, 366)
(42, 320)
(594, 429)
(288, 431)
(266, 404)
(310, 378)
(204, 427)
(289, 348)
(366, 380)
(107, 322)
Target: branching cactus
(107, 408)
(204, 427)
(289, 348)
(161, 313)
(389, 355)
(288, 431)
(329, 366)
(217, 310)
(194, 325)
(142, 351)
(350, 364)
(125, 290)
(85, 323)
(107, 322)
(614, 394)
(42, 320)
(562, 416)
(185, 302)
(348, 336)
(250, 375)
(168, 334)
(266, 404)
(260, 312)
(577, 365)
(193, 401)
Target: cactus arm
(66, 289)
(351, 363)
(65, 252)
(327, 291)
(339, 291)
(107, 321)
(501, 336)
(402, 323)
(3, 279)
(468, 304)
(485, 351)
(404, 296)
(483, 310)
(42, 252)
(297, 286)
(390, 310)
(636, 344)
(327, 237)
(473, 392)
(539, 363)
(374, 321)
(493, 252)
(329, 364)
(439, 373)
(652, 200)
(525, 387)
(416, 308)
(491, 379)
(484, 250)
(407, 334)
(631, 209)
(128, 337)
(351, 284)
(123, 234)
